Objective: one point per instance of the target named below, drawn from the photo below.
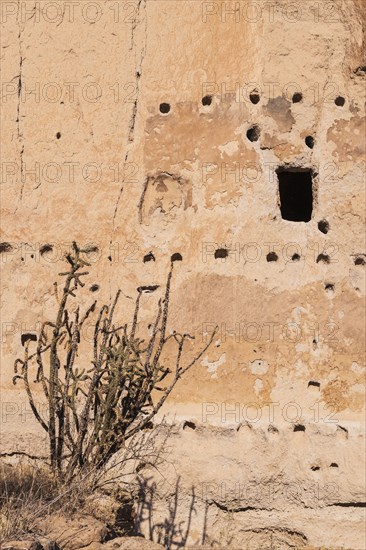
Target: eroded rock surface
(153, 128)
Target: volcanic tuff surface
(107, 140)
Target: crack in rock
(138, 74)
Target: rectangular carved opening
(296, 194)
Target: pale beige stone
(73, 533)
(131, 543)
(190, 181)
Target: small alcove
(296, 194)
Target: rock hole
(149, 257)
(244, 426)
(339, 101)
(254, 97)
(253, 133)
(147, 288)
(360, 261)
(334, 465)
(272, 257)
(310, 142)
(329, 287)
(189, 425)
(221, 253)
(164, 108)
(90, 249)
(297, 97)
(324, 258)
(140, 466)
(161, 187)
(176, 257)
(45, 248)
(5, 247)
(207, 100)
(323, 226)
(94, 288)
(299, 428)
(28, 336)
(315, 468)
(295, 257)
(109, 258)
(296, 194)
(58, 135)
(342, 430)
(314, 384)
(360, 71)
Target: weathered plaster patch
(259, 366)
(346, 135)
(229, 148)
(358, 388)
(258, 386)
(212, 366)
(165, 192)
(279, 109)
(356, 368)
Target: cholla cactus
(91, 414)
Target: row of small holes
(219, 253)
(254, 98)
(271, 257)
(254, 132)
(189, 425)
(176, 257)
(332, 465)
(222, 253)
(301, 428)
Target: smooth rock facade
(237, 140)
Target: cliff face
(237, 139)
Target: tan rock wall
(88, 156)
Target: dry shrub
(95, 410)
(29, 492)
